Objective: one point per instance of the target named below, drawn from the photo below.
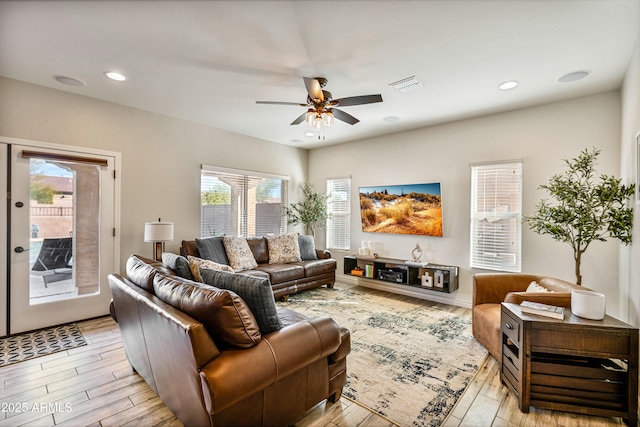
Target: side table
(573, 365)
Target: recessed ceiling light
(70, 81)
(115, 76)
(391, 119)
(309, 134)
(508, 85)
(572, 77)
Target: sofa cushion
(319, 266)
(307, 247)
(195, 264)
(283, 248)
(536, 287)
(212, 248)
(255, 291)
(223, 313)
(177, 263)
(279, 273)
(239, 254)
(141, 271)
(258, 246)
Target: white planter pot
(588, 304)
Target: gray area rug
(18, 348)
(410, 359)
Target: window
(241, 203)
(496, 202)
(339, 210)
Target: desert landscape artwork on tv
(402, 209)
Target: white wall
(629, 159)
(161, 156)
(540, 136)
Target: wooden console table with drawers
(573, 365)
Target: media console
(442, 278)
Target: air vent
(407, 85)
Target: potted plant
(585, 209)
(311, 212)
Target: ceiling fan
(321, 105)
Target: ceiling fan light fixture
(328, 118)
(407, 85)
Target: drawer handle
(508, 325)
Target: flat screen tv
(402, 209)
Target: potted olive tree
(311, 212)
(585, 208)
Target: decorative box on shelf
(433, 277)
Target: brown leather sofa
(491, 289)
(204, 380)
(286, 279)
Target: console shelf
(444, 278)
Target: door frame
(5, 233)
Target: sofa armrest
(239, 373)
(494, 287)
(323, 254)
(560, 299)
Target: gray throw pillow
(307, 248)
(255, 291)
(212, 248)
(177, 263)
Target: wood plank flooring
(95, 386)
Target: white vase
(588, 304)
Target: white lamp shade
(158, 231)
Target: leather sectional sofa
(201, 349)
(491, 289)
(286, 279)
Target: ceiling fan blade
(358, 100)
(301, 118)
(345, 117)
(281, 103)
(314, 89)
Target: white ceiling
(209, 61)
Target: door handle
(20, 249)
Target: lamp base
(158, 248)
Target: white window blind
(238, 203)
(496, 204)
(339, 210)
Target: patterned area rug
(38, 343)
(410, 359)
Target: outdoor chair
(54, 261)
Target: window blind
(339, 213)
(496, 204)
(241, 204)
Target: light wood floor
(95, 386)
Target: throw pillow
(195, 264)
(255, 291)
(224, 314)
(239, 254)
(212, 249)
(535, 287)
(307, 248)
(177, 263)
(283, 249)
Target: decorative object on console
(158, 232)
(588, 304)
(585, 211)
(402, 209)
(416, 253)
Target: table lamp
(158, 233)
